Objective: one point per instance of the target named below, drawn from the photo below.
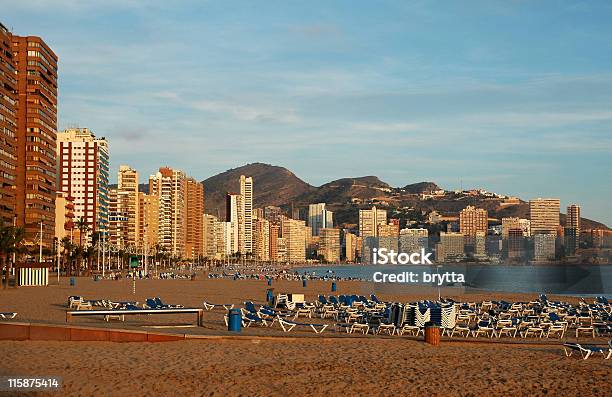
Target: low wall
(27, 331)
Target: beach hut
(33, 274)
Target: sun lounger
(73, 301)
(533, 331)
(585, 330)
(210, 306)
(506, 328)
(84, 305)
(166, 306)
(8, 315)
(587, 350)
(303, 313)
(484, 328)
(287, 326)
(556, 329)
(329, 312)
(409, 329)
(363, 328)
(460, 328)
(385, 328)
(250, 318)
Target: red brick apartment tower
(36, 66)
(8, 127)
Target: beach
(265, 361)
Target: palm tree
(81, 224)
(11, 239)
(89, 253)
(67, 253)
(96, 239)
(5, 240)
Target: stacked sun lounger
(537, 319)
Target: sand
(306, 365)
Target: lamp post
(146, 262)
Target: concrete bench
(126, 312)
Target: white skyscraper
(235, 223)
(246, 191)
(83, 162)
(319, 218)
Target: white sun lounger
(287, 326)
(586, 351)
(210, 306)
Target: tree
(67, 254)
(81, 224)
(11, 239)
(83, 228)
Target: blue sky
(511, 96)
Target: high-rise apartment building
(413, 240)
(273, 242)
(222, 239)
(128, 203)
(209, 242)
(261, 239)
(472, 220)
(516, 244)
(63, 216)
(572, 229)
(233, 213)
(246, 191)
(83, 174)
(388, 236)
(516, 223)
(369, 220)
(544, 247)
(148, 220)
(295, 240)
(194, 200)
(319, 218)
(480, 244)
(572, 218)
(544, 215)
(350, 247)
(117, 220)
(36, 120)
(450, 247)
(169, 186)
(8, 128)
(329, 244)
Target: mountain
(344, 190)
(272, 186)
(420, 187)
(278, 186)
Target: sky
(514, 97)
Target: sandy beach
(298, 363)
